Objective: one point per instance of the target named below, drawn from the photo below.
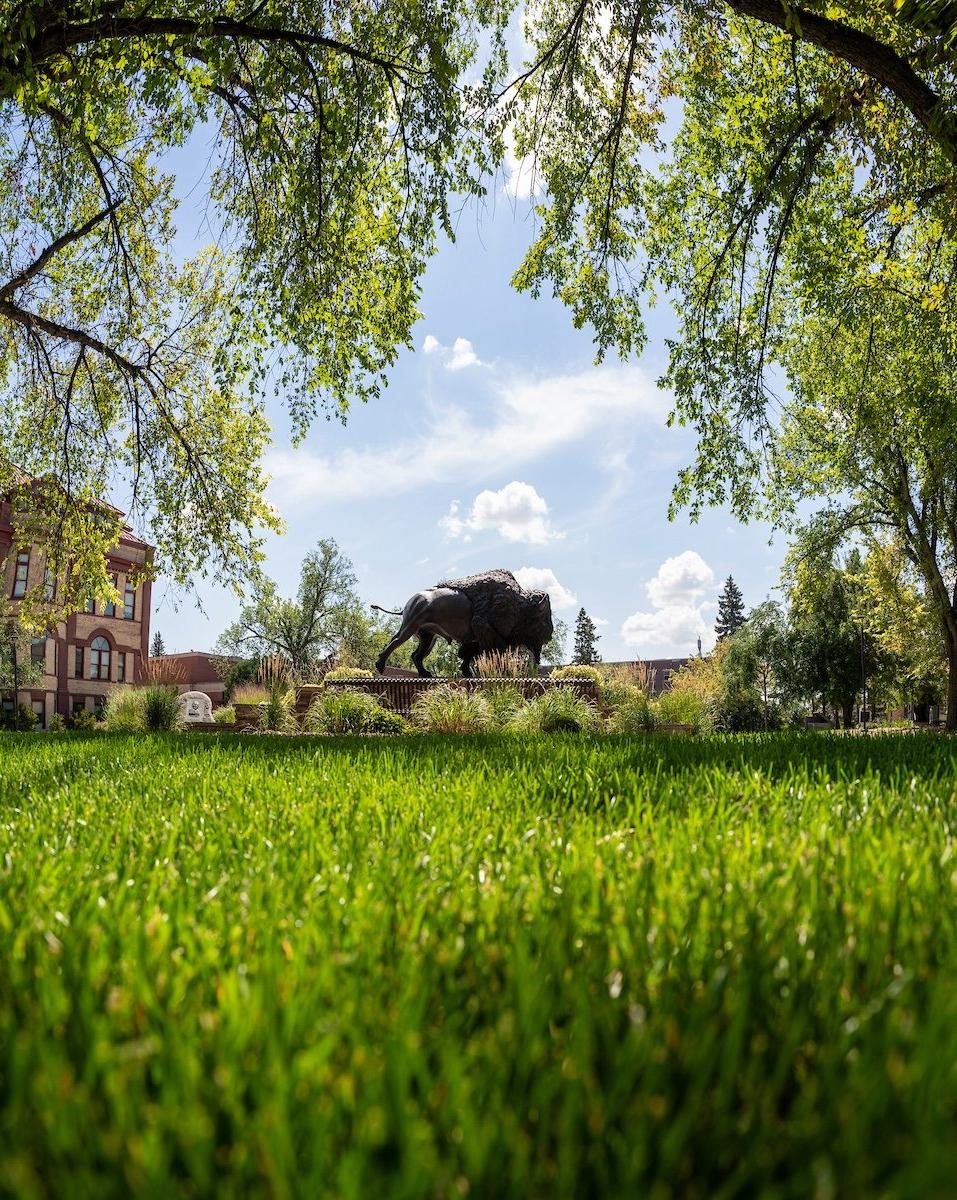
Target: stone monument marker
(194, 706)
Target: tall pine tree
(158, 649)
(586, 639)
(730, 610)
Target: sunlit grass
(493, 966)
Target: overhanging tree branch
(875, 59)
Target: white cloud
(676, 627)
(542, 579)
(677, 593)
(463, 355)
(456, 357)
(601, 620)
(516, 512)
(529, 419)
(685, 577)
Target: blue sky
(499, 443)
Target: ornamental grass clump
(634, 715)
(448, 709)
(125, 710)
(504, 703)
(504, 664)
(277, 711)
(680, 707)
(343, 712)
(226, 715)
(557, 711)
(160, 708)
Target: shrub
(343, 712)
(25, 719)
(226, 715)
(579, 672)
(634, 715)
(743, 714)
(679, 707)
(56, 724)
(160, 708)
(125, 710)
(448, 709)
(347, 673)
(83, 718)
(557, 711)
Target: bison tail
(393, 612)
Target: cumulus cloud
(528, 419)
(685, 577)
(543, 579)
(456, 357)
(678, 595)
(516, 512)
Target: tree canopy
(739, 156)
(320, 618)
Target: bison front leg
(467, 656)
(421, 652)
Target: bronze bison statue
(491, 611)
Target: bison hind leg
(422, 650)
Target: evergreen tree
(158, 649)
(730, 610)
(586, 639)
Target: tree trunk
(847, 712)
(951, 722)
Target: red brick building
(93, 651)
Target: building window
(21, 573)
(49, 584)
(121, 667)
(129, 601)
(99, 658)
(38, 651)
(79, 704)
(109, 607)
(90, 605)
(39, 710)
(78, 662)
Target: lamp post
(863, 682)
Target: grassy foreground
(488, 967)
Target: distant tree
(730, 610)
(234, 672)
(321, 617)
(158, 648)
(553, 653)
(764, 637)
(586, 640)
(825, 640)
(17, 669)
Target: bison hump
(486, 581)
(498, 602)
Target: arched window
(99, 658)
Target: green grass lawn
(420, 967)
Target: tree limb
(878, 61)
